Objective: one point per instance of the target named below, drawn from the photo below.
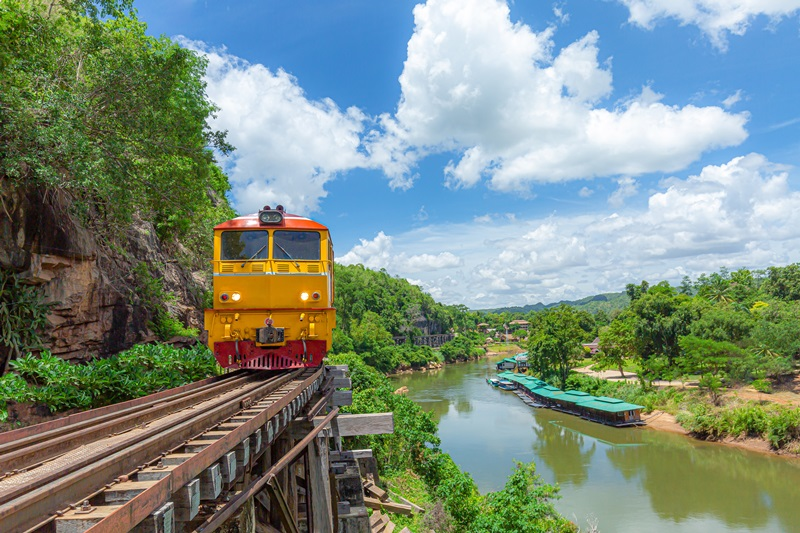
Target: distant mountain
(607, 302)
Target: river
(624, 480)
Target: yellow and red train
(273, 292)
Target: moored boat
(506, 385)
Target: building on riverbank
(516, 362)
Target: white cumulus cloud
(516, 111)
(378, 253)
(716, 18)
(743, 213)
(287, 146)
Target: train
(273, 292)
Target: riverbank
(505, 351)
(786, 395)
(627, 479)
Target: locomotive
(273, 292)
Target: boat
(494, 382)
(506, 385)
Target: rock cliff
(88, 280)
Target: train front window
(293, 245)
(244, 245)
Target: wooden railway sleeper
(245, 434)
(38, 503)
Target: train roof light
(270, 216)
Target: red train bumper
(245, 354)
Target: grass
(412, 487)
(505, 348)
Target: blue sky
(504, 154)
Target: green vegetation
(607, 303)
(411, 460)
(554, 346)
(705, 417)
(22, 315)
(144, 369)
(462, 348)
(152, 295)
(372, 308)
(113, 123)
(777, 424)
(92, 107)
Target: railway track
(116, 468)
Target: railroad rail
(146, 464)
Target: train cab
(273, 292)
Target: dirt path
(614, 375)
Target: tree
(555, 346)
(460, 348)
(618, 343)
(524, 505)
(710, 359)
(93, 108)
(636, 291)
(784, 282)
(661, 318)
(721, 322)
(370, 335)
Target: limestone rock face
(90, 284)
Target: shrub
(749, 419)
(762, 385)
(784, 426)
(144, 369)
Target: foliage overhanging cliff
(108, 184)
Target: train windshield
(295, 245)
(244, 245)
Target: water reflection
(567, 453)
(742, 489)
(629, 479)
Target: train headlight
(315, 296)
(304, 296)
(271, 217)
(224, 297)
(236, 297)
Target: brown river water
(622, 480)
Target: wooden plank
(153, 473)
(366, 424)
(361, 454)
(126, 490)
(414, 507)
(375, 491)
(211, 482)
(78, 520)
(187, 501)
(377, 518)
(341, 383)
(228, 467)
(161, 521)
(177, 458)
(341, 397)
(391, 507)
(242, 452)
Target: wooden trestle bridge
(247, 452)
